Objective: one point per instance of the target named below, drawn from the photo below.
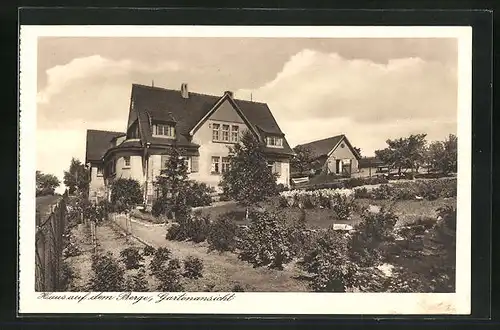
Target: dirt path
(223, 270)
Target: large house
(202, 126)
(333, 155)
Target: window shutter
(194, 164)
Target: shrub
(159, 208)
(67, 277)
(131, 258)
(137, 282)
(362, 193)
(198, 194)
(125, 194)
(107, 275)
(238, 288)
(174, 232)
(329, 264)
(375, 230)
(193, 227)
(71, 250)
(383, 191)
(343, 206)
(266, 242)
(160, 258)
(170, 277)
(193, 267)
(222, 234)
(148, 250)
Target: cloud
(78, 69)
(318, 95)
(314, 84)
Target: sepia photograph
(171, 164)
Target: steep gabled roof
(98, 142)
(154, 103)
(323, 147)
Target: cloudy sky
(368, 89)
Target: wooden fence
(49, 246)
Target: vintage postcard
(245, 170)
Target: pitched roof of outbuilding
(322, 147)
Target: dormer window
(164, 130)
(275, 141)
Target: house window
(187, 162)
(126, 161)
(195, 161)
(164, 130)
(99, 171)
(226, 164)
(215, 165)
(215, 132)
(275, 167)
(225, 133)
(234, 133)
(274, 141)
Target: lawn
(406, 210)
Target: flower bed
(419, 189)
(322, 198)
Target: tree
(46, 184)
(408, 153)
(77, 178)
(442, 155)
(249, 180)
(125, 194)
(358, 150)
(301, 162)
(173, 185)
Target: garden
(362, 235)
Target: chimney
(184, 91)
(229, 93)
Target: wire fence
(49, 246)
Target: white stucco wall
(225, 114)
(96, 185)
(342, 154)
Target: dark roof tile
(98, 142)
(322, 147)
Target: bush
(174, 232)
(170, 277)
(362, 193)
(137, 282)
(238, 288)
(198, 194)
(131, 258)
(148, 250)
(375, 230)
(160, 258)
(266, 242)
(329, 264)
(343, 206)
(108, 275)
(67, 277)
(194, 227)
(125, 194)
(383, 191)
(193, 267)
(71, 250)
(222, 234)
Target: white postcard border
(246, 303)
